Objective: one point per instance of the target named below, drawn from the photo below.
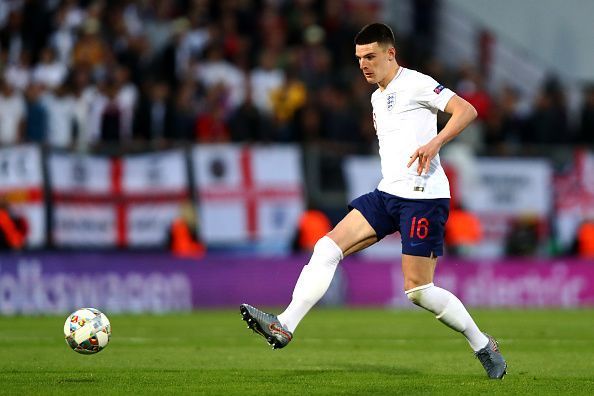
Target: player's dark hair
(376, 32)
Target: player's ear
(391, 53)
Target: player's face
(374, 61)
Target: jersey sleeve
(432, 94)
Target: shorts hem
(434, 253)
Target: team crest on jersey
(390, 101)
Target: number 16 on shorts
(419, 228)
(422, 226)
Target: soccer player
(412, 197)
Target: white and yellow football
(87, 331)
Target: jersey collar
(391, 84)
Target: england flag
(248, 194)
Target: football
(87, 331)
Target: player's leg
(353, 233)
(422, 229)
(350, 235)
(361, 227)
(448, 309)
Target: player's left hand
(424, 154)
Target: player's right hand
(424, 154)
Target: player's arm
(462, 114)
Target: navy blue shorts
(421, 222)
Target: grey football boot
(492, 360)
(267, 325)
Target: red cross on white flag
(125, 202)
(248, 193)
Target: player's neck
(384, 83)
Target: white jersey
(405, 118)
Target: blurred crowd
(86, 73)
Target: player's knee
(327, 248)
(415, 294)
(414, 297)
(414, 283)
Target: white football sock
(313, 282)
(449, 310)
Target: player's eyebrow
(365, 55)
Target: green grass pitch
(335, 351)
